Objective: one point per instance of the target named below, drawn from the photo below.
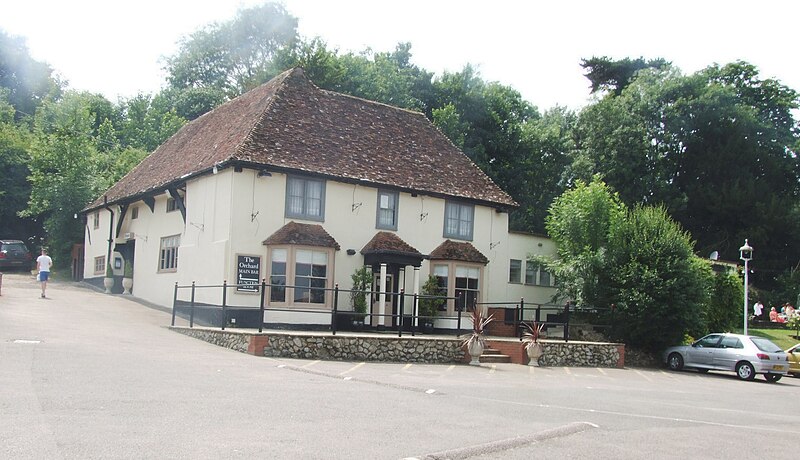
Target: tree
(29, 81)
(234, 56)
(606, 74)
(707, 146)
(638, 261)
(63, 169)
(14, 187)
(659, 287)
(580, 222)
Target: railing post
(261, 305)
(520, 319)
(400, 309)
(566, 322)
(335, 310)
(174, 302)
(224, 301)
(191, 308)
(458, 323)
(538, 312)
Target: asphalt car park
(89, 375)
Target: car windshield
(765, 345)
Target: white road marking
(352, 368)
(405, 368)
(312, 363)
(643, 375)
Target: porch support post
(414, 311)
(382, 297)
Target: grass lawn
(783, 338)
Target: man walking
(758, 309)
(43, 264)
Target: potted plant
(108, 281)
(534, 348)
(476, 341)
(362, 281)
(127, 280)
(429, 305)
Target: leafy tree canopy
(606, 74)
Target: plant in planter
(108, 281)
(476, 341)
(127, 280)
(429, 306)
(530, 338)
(362, 281)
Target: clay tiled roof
(389, 243)
(302, 234)
(465, 252)
(291, 125)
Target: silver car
(746, 355)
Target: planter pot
(108, 283)
(127, 284)
(535, 351)
(475, 350)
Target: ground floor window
(99, 265)
(168, 253)
(300, 275)
(461, 281)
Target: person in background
(43, 264)
(758, 310)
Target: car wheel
(745, 371)
(675, 362)
(772, 378)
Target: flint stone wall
(400, 349)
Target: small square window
(171, 204)
(135, 212)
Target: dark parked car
(14, 254)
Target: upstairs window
(305, 198)
(135, 212)
(531, 271)
(96, 219)
(172, 205)
(458, 220)
(515, 271)
(387, 210)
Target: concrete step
(491, 355)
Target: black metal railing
(405, 317)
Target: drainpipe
(110, 228)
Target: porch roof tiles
(465, 252)
(303, 235)
(386, 242)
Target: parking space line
(352, 368)
(602, 371)
(451, 367)
(312, 363)
(643, 375)
(407, 366)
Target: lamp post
(746, 254)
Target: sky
(117, 48)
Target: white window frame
(511, 265)
(531, 268)
(453, 268)
(304, 198)
(96, 223)
(290, 276)
(100, 265)
(168, 254)
(459, 221)
(387, 203)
